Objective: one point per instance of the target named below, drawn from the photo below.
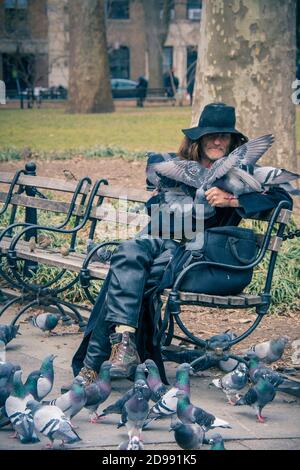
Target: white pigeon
(167, 405)
(50, 421)
(74, 400)
(233, 382)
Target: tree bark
(89, 83)
(156, 34)
(247, 51)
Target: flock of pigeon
(23, 404)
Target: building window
(16, 17)
(117, 9)
(19, 4)
(119, 62)
(167, 59)
(194, 10)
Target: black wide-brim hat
(214, 119)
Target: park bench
(159, 95)
(97, 207)
(20, 261)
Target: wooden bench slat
(72, 262)
(123, 217)
(43, 182)
(219, 300)
(118, 192)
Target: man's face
(215, 146)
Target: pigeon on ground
(45, 321)
(233, 382)
(136, 410)
(154, 382)
(98, 391)
(258, 397)
(134, 444)
(221, 341)
(7, 371)
(228, 365)
(50, 421)
(217, 443)
(188, 413)
(40, 382)
(269, 351)
(16, 409)
(118, 405)
(72, 401)
(189, 436)
(258, 370)
(166, 406)
(8, 332)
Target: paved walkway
(281, 430)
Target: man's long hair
(191, 149)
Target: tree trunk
(89, 83)
(156, 34)
(247, 52)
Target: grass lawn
(129, 128)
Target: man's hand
(218, 198)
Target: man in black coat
(121, 326)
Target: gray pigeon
(98, 391)
(74, 400)
(7, 371)
(45, 321)
(269, 351)
(235, 180)
(8, 332)
(166, 406)
(136, 410)
(269, 176)
(216, 441)
(40, 382)
(118, 406)
(16, 409)
(233, 382)
(50, 421)
(258, 370)
(189, 436)
(154, 382)
(188, 413)
(258, 397)
(133, 444)
(221, 341)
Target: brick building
(34, 41)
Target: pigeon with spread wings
(192, 174)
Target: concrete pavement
(281, 430)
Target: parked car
(123, 88)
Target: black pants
(136, 269)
